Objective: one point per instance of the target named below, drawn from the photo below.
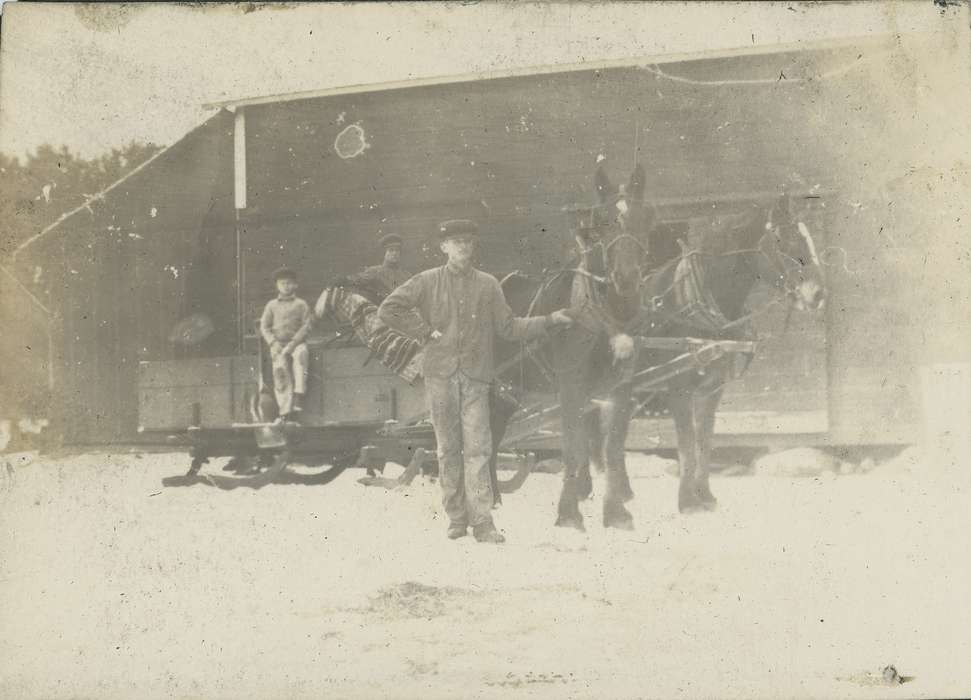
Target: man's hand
(287, 350)
(560, 317)
(276, 348)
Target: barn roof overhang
(881, 41)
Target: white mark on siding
(153, 213)
(809, 241)
(351, 142)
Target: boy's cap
(390, 240)
(284, 273)
(457, 227)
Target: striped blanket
(398, 352)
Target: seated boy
(285, 324)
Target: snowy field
(797, 586)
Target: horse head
(625, 220)
(789, 258)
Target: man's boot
(488, 534)
(457, 531)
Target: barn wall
(123, 272)
(511, 153)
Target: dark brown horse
(697, 294)
(603, 289)
(702, 294)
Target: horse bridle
(783, 263)
(605, 253)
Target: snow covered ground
(797, 586)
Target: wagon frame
(261, 452)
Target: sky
(100, 75)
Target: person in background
(461, 310)
(382, 279)
(284, 326)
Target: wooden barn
(312, 180)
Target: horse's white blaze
(622, 346)
(804, 232)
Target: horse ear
(635, 190)
(603, 186)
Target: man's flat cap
(457, 227)
(284, 273)
(390, 240)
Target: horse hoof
(616, 516)
(689, 502)
(620, 523)
(689, 508)
(574, 521)
(704, 494)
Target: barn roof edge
(738, 52)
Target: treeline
(35, 191)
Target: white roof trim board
(647, 61)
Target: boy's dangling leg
(300, 362)
(282, 384)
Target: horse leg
(618, 483)
(572, 403)
(595, 440)
(709, 408)
(592, 452)
(682, 405)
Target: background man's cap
(457, 227)
(284, 273)
(390, 240)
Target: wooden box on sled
(344, 388)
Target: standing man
(461, 310)
(382, 279)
